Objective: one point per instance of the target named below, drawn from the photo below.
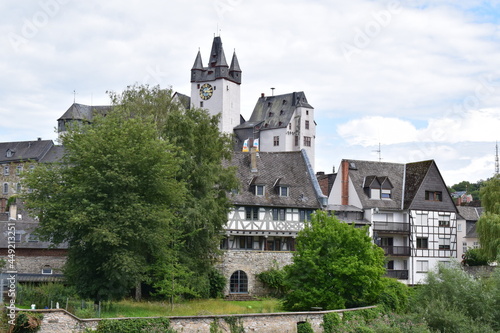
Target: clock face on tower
(206, 91)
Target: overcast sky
(420, 77)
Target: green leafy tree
(336, 265)
(488, 225)
(203, 148)
(114, 198)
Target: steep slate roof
(359, 170)
(24, 150)
(84, 112)
(54, 154)
(415, 175)
(284, 168)
(276, 111)
(469, 213)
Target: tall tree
(488, 225)
(335, 265)
(203, 148)
(114, 198)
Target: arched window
(238, 283)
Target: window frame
(276, 140)
(444, 243)
(421, 241)
(307, 141)
(434, 196)
(259, 189)
(422, 266)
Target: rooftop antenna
(497, 167)
(74, 96)
(379, 151)
(272, 91)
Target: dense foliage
(275, 280)
(488, 225)
(335, 266)
(451, 300)
(139, 196)
(153, 325)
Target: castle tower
(217, 86)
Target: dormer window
(9, 153)
(283, 191)
(284, 102)
(259, 190)
(378, 188)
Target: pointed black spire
(234, 69)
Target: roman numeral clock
(206, 91)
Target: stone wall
(61, 321)
(33, 260)
(252, 263)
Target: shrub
(150, 325)
(217, 283)
(474, 257)
(274, 279)
(27, 322)
(395, 297)
(304, 327)
(331, 322)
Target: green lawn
(128, 308)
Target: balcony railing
(397, 250)
(401, 274)
(391, 227)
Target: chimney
(344, 191)
(262, 95)
(253, 159)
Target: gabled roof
(277, 111)
(182, 99)
(24, 150)
(362, 173)
(470, 213)
(84, 112)
(291, 168)
(415, 174)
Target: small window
(422, 243)
(422, 266)
(385, 194)
(246, 242)
(307, 141)
(282, 112)
(19, 187)
(444, 243)
(296, 140)
(305, 215)
(6, 170)
(19, 169)
(284, 102)
(9, 153)
(283, 190)
(307, 112)
(444, 220)
(201, 104)
(252, 213)
(32, 238)
(434, 195)
(269, 104)
(290, 126)
(279, 214)
(5, 188)
(307, 124)
(259, 190)
(459, 227)
(375, 193)
(276, 141)
(198, 86)
(271, 114)
(215, 88)
(47, 270)
(18, 237)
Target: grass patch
(129, 308)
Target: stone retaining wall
(61, 321)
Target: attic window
(307, 112)
(282, 112)
(269, 104)
(378, 187)
(271, 114)
(266, 125)
(283, 191)
(284, 102)
(280, 123)
(9, 153)
(434, 195)
(352, 166)
(259, 190)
